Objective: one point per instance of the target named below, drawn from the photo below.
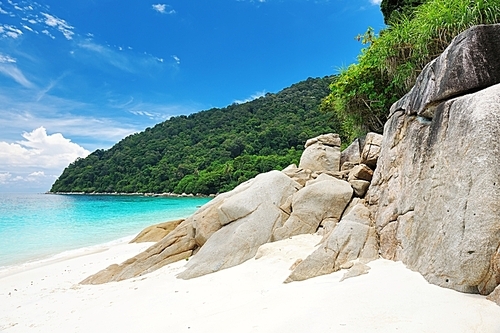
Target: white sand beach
(46, 297)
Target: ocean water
(37, 226)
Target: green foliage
(209, 151)
(363, 93)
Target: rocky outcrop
(276, 205)
(435, 193)
(469, 64)
(354, 237)
(322, 153)
(239, 222)
(248, 219)
(178, 245)
(236, 242)
(326, 198)
(156, 232)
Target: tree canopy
(210, 151)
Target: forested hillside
(210, 151)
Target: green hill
(209, 151)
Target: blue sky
(79, 75)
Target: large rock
(371, 149)
(469, 64)
(352, 154)
(206, 220)
(323, 198)
(435, 191)
(156, 232)
(178, 245)
(235, 243)
(322, 153)
(272, 188)
(248, 219)
(301, 176)
(353, 238)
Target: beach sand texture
(250, 297)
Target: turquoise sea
(37, 226)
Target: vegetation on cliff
(388, 66)
(210, 151)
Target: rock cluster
(273, 206)
(156, 232)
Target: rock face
(322, 153)
(435, 193)
(469, 64)
(156, 232)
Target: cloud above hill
(40, 156)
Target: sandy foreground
(46, 297)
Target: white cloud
(46, 32)
(177, 59)
(60, 25)
(10, 70)
(5, 177)
(375, 2)
(109, 55)
(6, 59)
(95, 54)
(40, 150)
(251, 98)
(28, 28)
(163, 9)
(37, 174)
(144, 113)
(23, 108)
(10, 31)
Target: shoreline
(250, 297)
(62, 256)
(138, 194)
(36, 226)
